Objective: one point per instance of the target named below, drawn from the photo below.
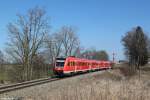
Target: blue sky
(100, 23)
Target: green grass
(3, 77)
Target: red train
(72, 65)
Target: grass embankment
(11, 73)
(3, 77)
(110, 85)
(107, 85)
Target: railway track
(21, 85)
(13, 87)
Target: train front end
(59, 66)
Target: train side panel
(69, 66)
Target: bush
(15, 73)
(127, 70)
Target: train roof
(60, 58)
(83, 59)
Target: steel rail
(21, 85)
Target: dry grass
(109, 85)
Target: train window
(80, 63)
(69, 63)
(93, 64)
(73, 63)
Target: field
(3, 75)
(104, 85)
(11, 73)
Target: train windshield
(60, 62)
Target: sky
(100, 24)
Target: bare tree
(69, 39)
(54, 46)
(78, 51)
(1, 58)
(1, 61)
(94, 54)
(88, 53)
(40, 67)
(101, 55)
(26, 38)
(62, 43)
